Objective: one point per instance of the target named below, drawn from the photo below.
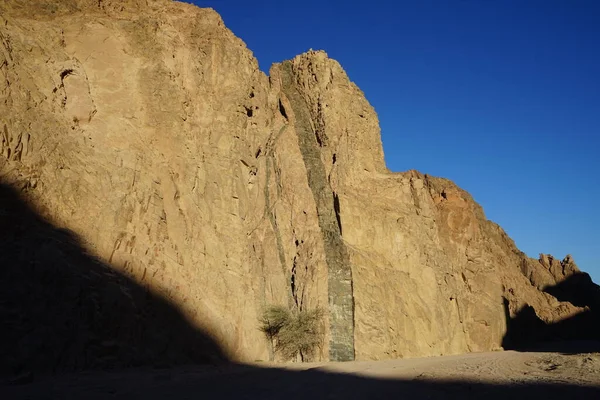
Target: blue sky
(500, 96)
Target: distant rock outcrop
(148, 130)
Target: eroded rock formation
(147, 129)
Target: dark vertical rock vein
(341, 302)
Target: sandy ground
(501, 375)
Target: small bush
(293, 334)
(273, 319)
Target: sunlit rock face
(147, 129)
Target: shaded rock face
(147, 129)
(63, 309)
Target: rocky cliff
(147, 131)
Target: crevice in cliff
(66, 73)
(318, 137)
(336, 207)
(293, 286)
(339, 282)
(270, 213)
(282, 111)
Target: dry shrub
(293, 333)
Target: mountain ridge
(148, 130)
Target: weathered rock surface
(147, 129)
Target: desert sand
(491, 375)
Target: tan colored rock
(147, 129)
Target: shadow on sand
(64, 312)
(257, 383)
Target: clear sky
(500, 96)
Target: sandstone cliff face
(147, 129)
